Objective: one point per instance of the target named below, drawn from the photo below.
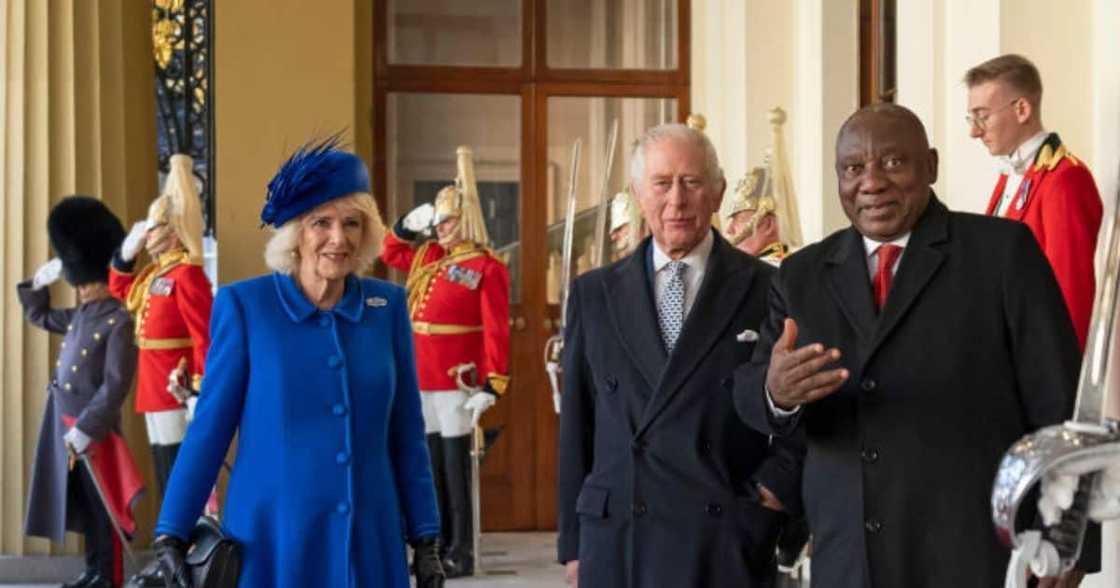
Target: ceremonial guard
(458, 298)
(170, 299)
(761, 217)
(84, 478)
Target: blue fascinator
(317, 172)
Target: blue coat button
(325, 320)
(343, 508)
(334, 361)
(339, 410)
(342, 458)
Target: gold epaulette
(1049, 158)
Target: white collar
(871, 246)
(1019, 160)
(696, 259)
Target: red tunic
(459, 303)
(1059, 201)
(170, 301)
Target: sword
(84, 458)
(554, 346)
(601, 240)
(1088, 437)
(477, 448)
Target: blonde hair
(281, 253)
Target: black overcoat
(656, 472)
(973, 349)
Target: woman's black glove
(170, 552)
(425, 563)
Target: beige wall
(749, 56)
(284, 73)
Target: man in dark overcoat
(910, 350)
(91, 379)
(660, 483)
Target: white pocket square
(747, 336)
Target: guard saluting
(171, 300)
(92, 377)
(458, 298)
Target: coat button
(339, 410)
(868, 384)
(334, 361)
(706, 447)
(873, 526)
(343, 508)
(639, 509)
(638, 446)
(342, 458)
(870, 455)
(325, 320)
(714, 509)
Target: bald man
(910, 350)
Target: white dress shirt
(1015, 166)
(871, 247)
(697, 262)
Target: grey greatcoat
(92, 378)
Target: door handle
(517, 323)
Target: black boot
(457, 461)
(439, 476)
(83, 581)
(163, 458)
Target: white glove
(478, 403)
(420, 219)
(47, 274)
(1059, 487)
(134, 241)
(175, 386)
(192, 401)
(76, 439)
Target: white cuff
(777, 411)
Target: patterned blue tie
(670, 304)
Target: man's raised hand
(800, 376)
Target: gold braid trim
(776, 250)
(138, 294)
(420, 276)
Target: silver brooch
(376, 301)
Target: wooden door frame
(532, 504)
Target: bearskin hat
(84, 233)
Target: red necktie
(888, 255)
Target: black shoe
(149, 577)
(458, 563)
(89, 579)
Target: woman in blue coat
(313, 368)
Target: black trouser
(103, 548)
(163, 458)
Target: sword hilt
(1068, 534)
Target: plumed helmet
(461, 200)
(84, 233)
(180, 206)
(316, 173)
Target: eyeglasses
(980, 121)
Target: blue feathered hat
(317, 172)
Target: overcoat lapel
(850, 284)
(626, 289)
(723, 290)
(919, 263)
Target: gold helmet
(625, 213)
(461, 201)
(179, 207)
(753, 195)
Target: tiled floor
(508, 559)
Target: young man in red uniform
(458, 297)
(1041, 184)
(170, 300)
